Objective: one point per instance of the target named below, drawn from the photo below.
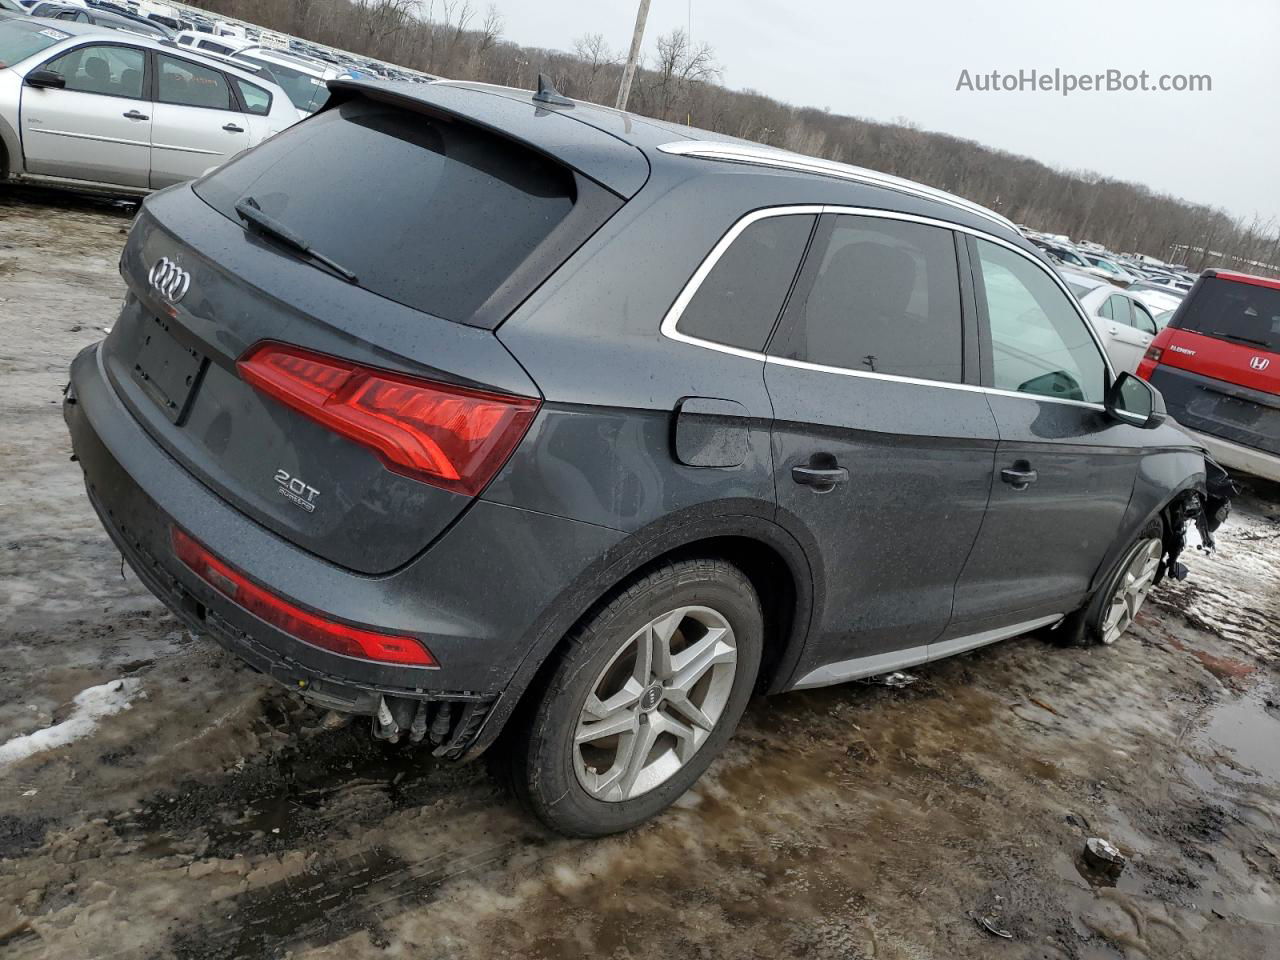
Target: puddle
(1249, 731)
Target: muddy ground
(217, 817)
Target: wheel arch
(771, 558)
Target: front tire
(647, 693)
(1116, 605)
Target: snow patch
(91, 705)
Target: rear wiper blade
(1236, 336)
(252, 214)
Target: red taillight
(307, 627)
(1149, 361)
(449, 436)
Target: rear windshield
(308, 93)
(1240, 312)
(20, 39)
(433, 215)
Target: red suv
(1218, 365)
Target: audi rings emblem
(169, 279)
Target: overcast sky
(889, 59)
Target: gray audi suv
(514, 422)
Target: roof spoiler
(617, 166)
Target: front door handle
(821, 478)
(1020, 475)
(136, 115)
(232, 128)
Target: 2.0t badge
(297, 490)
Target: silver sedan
(93, 109)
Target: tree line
(680, 81)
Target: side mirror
(1135, 401)
(45, 79)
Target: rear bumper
(472, 598)
(1237, 457)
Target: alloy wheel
(1131, 589)
(655, 703)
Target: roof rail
(786, 160)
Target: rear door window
(738, 302)
(1243, 313)
(454, 212)
(1117, 308)
(188, 84)
(885, 299)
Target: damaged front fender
(1207, 509)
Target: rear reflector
(449, 436)
(298, 623)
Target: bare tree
(597, 57)
(680, 66)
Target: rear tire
(1113, 608)
(648, 691)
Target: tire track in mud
(331, 899)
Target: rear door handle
(232, 128)
(821, 479)
(136, 115)
(1020, 475)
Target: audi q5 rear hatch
(309, 329)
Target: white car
(223, 46)
(90, 109)
(1123, 322)
(1157, 299)
(302, 78)
(1115, 272)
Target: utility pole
(629, 71)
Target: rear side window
(256, 100)
(1241, 312)
(433, 215)
(885, 299)
(738, 302)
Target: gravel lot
(213, 816)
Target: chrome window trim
(671, 319)
(759, 155)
